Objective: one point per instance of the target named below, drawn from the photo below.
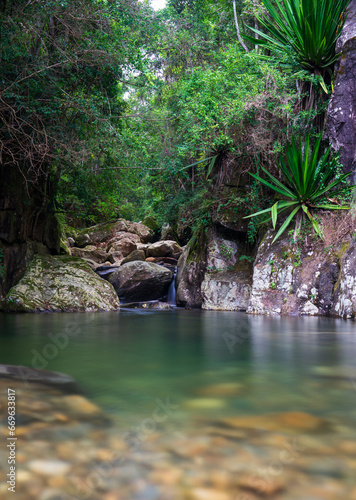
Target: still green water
(125, 361)
(258, 407)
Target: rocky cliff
(288, 278)
(340, 127)
(28, 225)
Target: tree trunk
(237, 27)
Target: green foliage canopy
(60, 67)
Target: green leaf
(313, 221)
(274, 212)
(197, 163)
(286, 224)
(211, 166)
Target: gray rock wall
(305, 279)
(227, 281)
(27, 223)
(190, 274)
(312, 280)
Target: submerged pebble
(205, 403)
(237, 457)
(49, 467)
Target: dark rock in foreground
(26, 374)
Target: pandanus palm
(305, 30)
(309, 181)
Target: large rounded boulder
(141, 281)
(60, 283)
(166, 248)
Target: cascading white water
(171, 297)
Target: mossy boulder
(151, 223)
(60, 283)
(169, 233)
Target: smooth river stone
(23, 476)
(26, 374)
(167, 475)
(290, 421)
(348, 447)
(78, 405)
(205, 403)
(260, 485)
(49, 467)
(223, 389)
(337, 373)
(208, 494)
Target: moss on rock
(60, 283)
(151, 223)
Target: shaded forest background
(110, 109)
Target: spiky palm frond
(308, 177)
(306, 30)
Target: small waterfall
(171, 297)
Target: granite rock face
(227, 282)
(27, 225)
(341, 115)
(190, 275)
(60, 283)
(272, 277)
(344, 303)
(313, 281)
(226, 291)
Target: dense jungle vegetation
(133, 112)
